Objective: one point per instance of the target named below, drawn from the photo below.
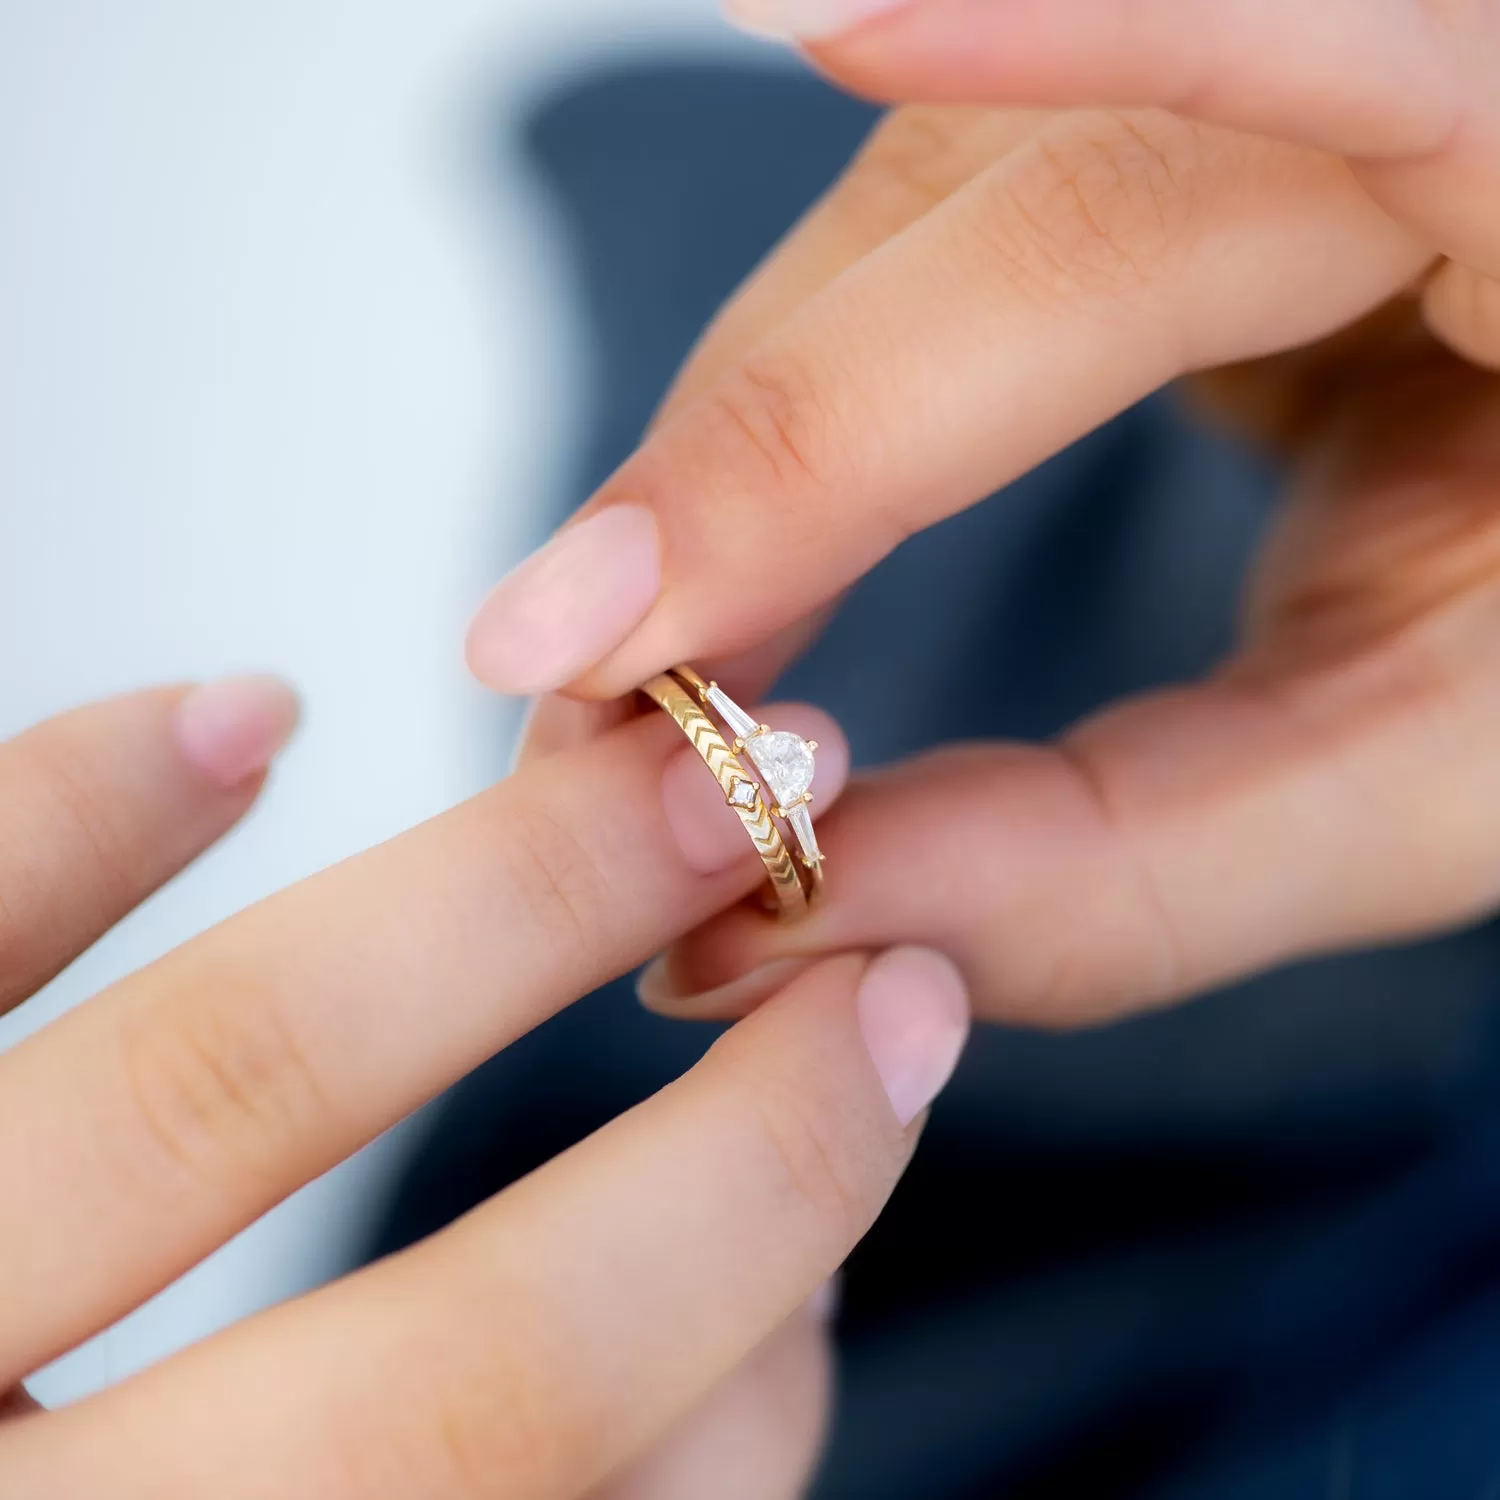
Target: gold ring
(777, 789)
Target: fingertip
(231, 730)
(569, 605)
(913, 1009)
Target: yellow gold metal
(675, 697)
(814, 880)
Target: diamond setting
(786, 762)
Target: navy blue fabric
(1244, 1250)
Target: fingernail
(804, 20)
(914, 1013)
(569, 605)
(658, 991)
(231, 729)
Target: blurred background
(289, 369)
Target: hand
(634, 1314)
(983, 287)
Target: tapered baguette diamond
(802, 826)
(730, 711)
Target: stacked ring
(776, 791)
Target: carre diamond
(743, 793)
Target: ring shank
(813, 878)
(673, 698)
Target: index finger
(553, 1333)
(1109, 255)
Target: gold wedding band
(773, 789)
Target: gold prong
(739, 745)
(812, 745)
(807, 796)
(762, 729)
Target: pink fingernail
(804, 20)
(914, 1014)
(569, 605)
(231, 729)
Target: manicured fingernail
(569, 605)
(658, 990)
(231, 729)
(804, 20)
(914, 1013)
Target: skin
(1291, 207)
(1330, 785)
(631, 1320)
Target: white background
(282, 376)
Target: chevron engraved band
(741, 791)
(785, 765)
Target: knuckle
(513, 1426)
(83, 818)
(817, 1172)
(216, 1082)
(1100, 204)
(1133, 953)
(559, 881)
(915, 158)
(776, 408)
(72, 832)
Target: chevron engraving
(674, 699)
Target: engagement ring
(774, 789)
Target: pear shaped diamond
(786, 762)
